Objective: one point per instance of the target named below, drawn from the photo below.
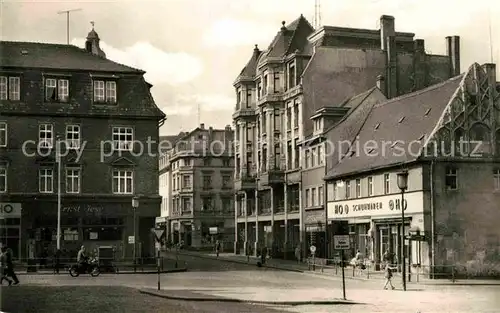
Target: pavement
(213, 280)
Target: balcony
(270, 97)
(272, 177)
(244, 112)
(244, 182)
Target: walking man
(217, 247)
(388, 277)
(10, 266)
(3, 266)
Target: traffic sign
(341, 242)
(131, 239)
(159, 233)
(313, 249)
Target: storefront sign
(82, 209)
(8, 210)
(376, 206)
(213, 230)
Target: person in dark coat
(10, 266)
(57, 261)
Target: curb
(233, 300)
(243, 262)
(177, 270)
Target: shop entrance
(390, 240)
(10, 235)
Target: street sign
(341, 242)
(131, 239)
(313, 249)
(159, 233)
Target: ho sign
(10, 209)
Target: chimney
(256, 51)
(419, 45)
(386, 29)
(202, 126)
(391, 77)
(453, 52)
(381, 83)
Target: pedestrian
(217, 247)
(10, 266)
(388, 277)
(298, 253)
(57, 261)
(3, 266)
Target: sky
(193, 50)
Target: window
(276, 82)
(238, 97)
(297, 154)
(226, 205)
(3, 134)
(207, 161)
(123, 138)
(496, 179)
(226, 162)
(358, 188)
(73, 136)
(313, 157)
(320, 155)
(104, 91)
(186, 181)
(45, 135)
(3, 178)
(56, 90)
(451, 180)
(313, 196)
(295, 115)
(226, 182)
(291, 76)
(186, 205)
(259, 90)
(308, 198)
(348, 190)
(370, 186)
(73, 180)
(308, 158)
(46, 180)
(10, 88)
(265, 84)
(249, 98)
(123, 182)
(387, 184)
(207, 204)
(207, 182)
(320, 195)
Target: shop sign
(213, 230)
(8, 209)
(92, 209)
(377, 206)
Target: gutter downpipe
(433, 222)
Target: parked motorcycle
(92, 268)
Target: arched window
(459, 143)
(480, 140)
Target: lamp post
(403, 185)
(135, 205)
(58, 160)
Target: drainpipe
(433, 222)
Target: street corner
(185, 295)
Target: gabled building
(305, 78)
(447, 137)
(101, 115)
(199, 170)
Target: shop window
(103, 233)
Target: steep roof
(56, 56)
(394, 130)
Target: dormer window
(56, 90)
(105, 91)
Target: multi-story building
(447, 137)
(287, 94)
(97, 115)
(200, 166)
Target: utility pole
(67, 21)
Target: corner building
(447, 137)
(51, 93)
(199, 170)
(287, 97)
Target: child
(388, 277)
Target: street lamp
(403, 185)
(58, 161)
(135, 205)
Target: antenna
(67, 21)
(198, 114)
(491, 40)
(317, 14)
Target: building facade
(285, 94)
(448, 139)
(200, 167)
(97, 115)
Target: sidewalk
(365, 275)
